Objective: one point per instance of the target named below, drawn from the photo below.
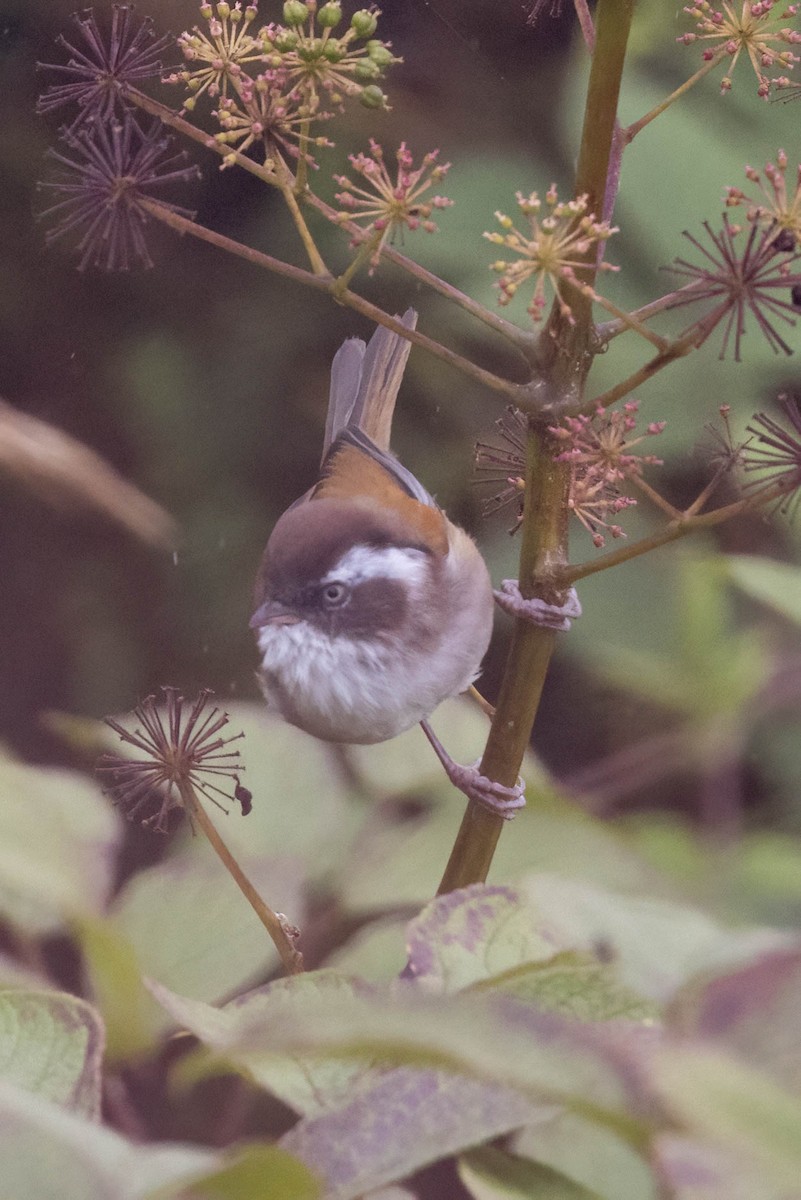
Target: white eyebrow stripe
(361, 563)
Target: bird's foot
(499, 799)
(548, 616)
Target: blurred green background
(204, 381)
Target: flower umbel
(555, 247)
(263, 115)
(774, 453)
(180, 745)
(504, 464)
(99, 72)
(599, 450)
(321, 63)
(389, 205)
(102, 192)
(740, 279)
(215, 58)
(778, 210)
(601, 444)
(758, 29)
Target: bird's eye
(335, 594)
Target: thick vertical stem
(544, 549)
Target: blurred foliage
(672, 711)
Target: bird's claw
(547, 616)
(499, 799)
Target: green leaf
(255, 1171)
(774, 583)
(752, 1012)
(589, 1152)
(698, 1170)
(472, 934)
(492, 1038)
(131, 1019)
(190, 926)
(48, 1153)
(407, 1119)
(491, 1174)
(307, 1083)
(58, 844)
(495, 937)
(52, 1044)
(735, 1107)
(577, 985)
(656, 945)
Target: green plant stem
(527, 664)
(290, 956)
(612, 329)
(520, 394)
(315, 258)
(544, 530)
(686, 523)
(522, 339)
(679, 348)
(187, 129)
(363, 255)
(631, 131)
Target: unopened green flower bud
(223, 10)
(295, 12)
(379, 53)
(365, 70)
(373, 97)
(205, 12)
(286, 40)
(311, 50)
(329, 15)
(333, 51)
(364, 23)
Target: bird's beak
(273, 612)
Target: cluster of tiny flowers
(106, 188)
(773, 454)
(777, 209)
(756, 28)
(269, 84)
(741, 274)
(599, 450)
(320, 62)
(504, 464)
(389, 205)
(101, 68)
(555, 246)
(178, 746)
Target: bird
(371, 606)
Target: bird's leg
(501, 800)
(547, 616)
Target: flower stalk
(291, 957)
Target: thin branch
(585, 21)
(523, 340)
(679, 348)
(680, 528)
(631, 131)
(290, 955)
(523, 395)
(658, 500)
